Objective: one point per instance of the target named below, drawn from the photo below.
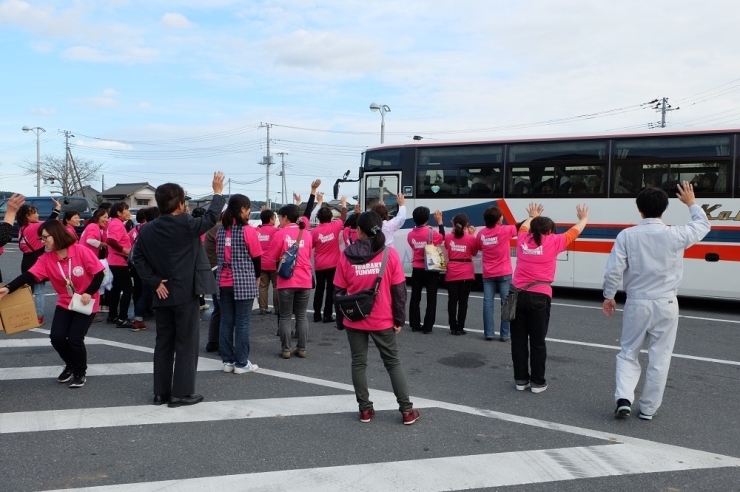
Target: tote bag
(434, 258)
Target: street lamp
(383, 110)
(37, 130)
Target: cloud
(325, 51)
(106, 99)
(176, 21)
(43, 111)
(128, 55)
(110, 92)
(105, 144)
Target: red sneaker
(138, 325)
(366, 415)
(41, 320)
(410, 417)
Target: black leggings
(119, 297)
(68, 330)
(457, 305)
(324, 281)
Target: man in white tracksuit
(649, 258)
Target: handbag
(356, 307)
(508, 305)
(77, 306)
(434, 258)
(288, 259)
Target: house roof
(126, 189)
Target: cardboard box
(18, 312)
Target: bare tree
(70, 176)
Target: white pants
(653, 323)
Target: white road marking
(113, 369)
(456, 472)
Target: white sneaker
(205, 307)
(248, 368)
(228, 367)
(523, 386)
(538, 388)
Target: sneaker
(228, 367)
(41, 320)
(103, 309)
(285, 354)
(410, 417)
(301, 353)
(316, 317)
(366, 415)
(97, 319)
(138, 325)
(124, 323)
(623, 408)
(248, 368)
(65, 376)
(538, 388)
(205, 307)
(78, 382)
(645, 416)
(264, 311)
(520, 386)
(505, 340)
(111, 321)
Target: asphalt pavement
(294, 425)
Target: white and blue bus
(604, 171)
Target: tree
(69, 176)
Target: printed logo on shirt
(326, 239)
(418, 244)
(531, 251)
(459, 248)
(489, 241)
(291, 241)
(227, 242)
(367, 268)
(78, 271)
(263, 238)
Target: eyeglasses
(44, 237)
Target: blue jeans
(233, 339)
(38, 298)
(490, 286)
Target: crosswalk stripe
(113, 369)
(452, 473)
(37, 342)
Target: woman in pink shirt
(357, 270)
(71, 221)
(537, 250)
(461, 246)
(239, 256)
(325, 238)
(71, 269)
(294, 291)
(421, 278)
(93, 237)
(268, 274)
(493, 242)
(119, 247)
(32, 247)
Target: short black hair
(169, 196)
(324, 215)
(420, 215)
(151, 213)
(652, 202)
(117, 208)
(491, 216)
(266, 216)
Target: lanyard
(68, 278)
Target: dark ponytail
(460, 222)
(233, 212)
(541, 226)
(372, 225)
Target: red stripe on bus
(696, 252)
(506, 212)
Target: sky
(172, 90)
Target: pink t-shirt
(133, 234)
(28, 238)
(253, 248)
(354, 278)
(71, 230)
(535, 263)
(282, 240)
(463, 248)
(117, 232)
(264, 234)
(418, 238)
(80, 266)
(92, 231)
(325, 239)
(349, 235)
(494, 244)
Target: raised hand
(315, 186)
(685, 193)
(296, 198)
(343, 201)
(57, 205)
(582, 212)
(218, 182)
(438, 217)
(400, 200)
(535, 210)
(320, 197)
(15, 202)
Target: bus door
(381, 187)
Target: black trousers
(324, 281)
(119, 296)
(68, 330)
(530, 325)
(421, 278)
(176, 349)
(457, 305)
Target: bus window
(383, 159)
(436, 183)
(708, 178)
(559, 180)
(382, 188)
(461, 156)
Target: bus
(604, 171)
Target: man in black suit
(169, 256)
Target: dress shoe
(176, 401)
(316, 317)
(330, 319)
(161, 399)
(212, 347)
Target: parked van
(80, 204)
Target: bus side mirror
(336, 189)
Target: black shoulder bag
(356, 307)
(508, 305)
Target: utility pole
(267, 162)
(65, 184)
(283, 190)
(662, 106)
